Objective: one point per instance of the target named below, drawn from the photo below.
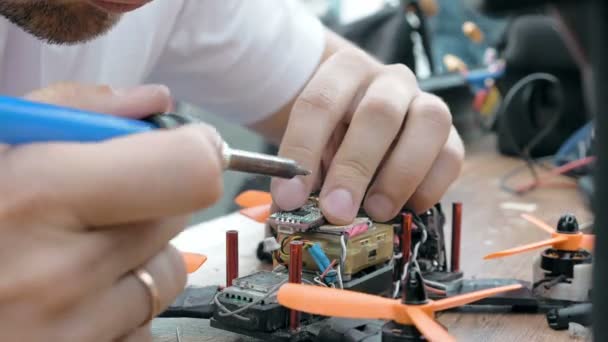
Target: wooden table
(489, 224)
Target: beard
(59, 23)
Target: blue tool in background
(23, 122)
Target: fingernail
(143, 90)
(379, 207)
(289, 194)
(339, 204)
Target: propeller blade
(326, 301)
(193, 261)
(526, 248)
(253, 198)
(588, 242)
(431, 330)
(538, 223)
(452, 302)
(259, 213)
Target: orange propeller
(259, 213)
(253, 198)
(349, 304)
(567, 237)
(193, 261)
(256, 205)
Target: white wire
(318, 281)
(225, 312)
(413, 259)
(397, 287)
(343, 244)
(395, 257)
(435, 284)
(340, 277)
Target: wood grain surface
(490, 223)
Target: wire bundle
(431, 286)
(533, 164)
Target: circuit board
(262, 282)
(302, 219)
(256, 291)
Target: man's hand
(76, 219)
(359, 124)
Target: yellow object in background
(491, 103)
(471, 30)
(454, 64)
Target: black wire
(524, 152)
(540, 282)
(504, 180)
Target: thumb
(136, 103)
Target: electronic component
(270, 244)
(563, 275)
(259, 283)
(432, 254)
(369, 248)
(257, 291)
(307, 217)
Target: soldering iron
(23, 121)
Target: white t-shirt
(243, 59)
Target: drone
(369, 281)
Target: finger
(315, 115)
(96, 261)
(443, 173)
(134, 102)
(109, 254)
(137, 178)
(426, 130)
(143, 334)
(124, 307)
(374, 126)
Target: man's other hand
(77, 219)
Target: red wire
(555, 172)
(434, 290)
(333, 263)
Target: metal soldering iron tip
(263, 164)
(300, 171)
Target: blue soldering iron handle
(23, 121)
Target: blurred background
(508, 77)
